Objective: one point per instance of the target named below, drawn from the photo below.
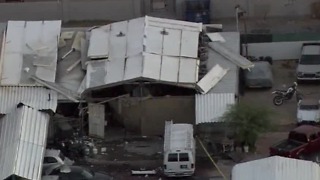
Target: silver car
(308, 111)
(53, 157)
(309, 62)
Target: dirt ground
(126, 151)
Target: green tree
(248, 121)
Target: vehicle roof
(307, 129)
(52, 152)
(309, 102)
(311, 49)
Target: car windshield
(309, 107)
(310, 59)
(297, 137)
(61, 156)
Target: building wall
(256, 8)
(148, 116)
(72, 10)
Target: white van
(179, 150)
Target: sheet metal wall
(276, 168)
(37, 97)
(23, 135)
(210, 107)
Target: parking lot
(285, 115)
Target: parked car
(54, 157)
(309, 63)
(308, 111)
(302, 141)
(65, 172)
(260, 76)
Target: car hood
(101, 176)
(308, 68)
(307, 115)
(68, 161)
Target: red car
(302, 141)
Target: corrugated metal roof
(178, 136)
(30, 48)
(211, 107)
(37, 97)
(140, 48)
(23, 135)
(229, 83)
(276, 168)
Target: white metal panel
(211, 107)
(216, 37)
(173, 24)
(24, 133)
(311, 50)
(133, 67)
(99, 42)
(135, 36)
(36, 38)
(189, 44)
(96, 120)
(11, 69)
(153, 40)
(151, 66)
(48, 47)
(172, 42)
(211, 78)
(37, 97)
(12, 56)
(188, 70)
(118, 40)
(115, 70)
(276, 168)
(231, 55)
(169, 69)
(96, 73)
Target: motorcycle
(284, 95)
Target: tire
(278, 100)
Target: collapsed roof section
(29, 47)
(147, 48)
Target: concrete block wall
(255, 8)
(72, 10)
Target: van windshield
(173, 157)
(310, 59)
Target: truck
(308, 67)
(179, 150)
(301, 142)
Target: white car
(308, 111)
(54, 157)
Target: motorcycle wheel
(278, 100)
